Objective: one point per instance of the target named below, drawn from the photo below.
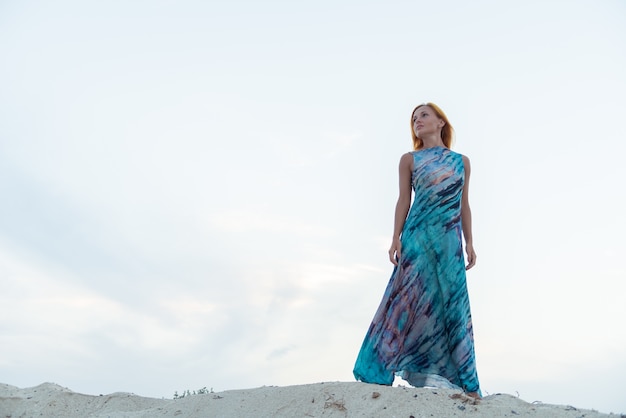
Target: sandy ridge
(330, 399)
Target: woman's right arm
(402, 206)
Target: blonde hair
(447, 132)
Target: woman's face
(426, 122)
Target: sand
(331, 399)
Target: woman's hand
(394, 251)
(471, 256)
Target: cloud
(309, 149)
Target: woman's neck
(432, 141)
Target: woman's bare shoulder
(466, 163)
(406, 160)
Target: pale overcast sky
(201, 193)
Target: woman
(422, 330)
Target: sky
(201, 193)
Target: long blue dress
(422, 330)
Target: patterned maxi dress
(422, 330)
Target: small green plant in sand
(187, 392)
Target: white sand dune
(336, 399)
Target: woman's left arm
(466, 217)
